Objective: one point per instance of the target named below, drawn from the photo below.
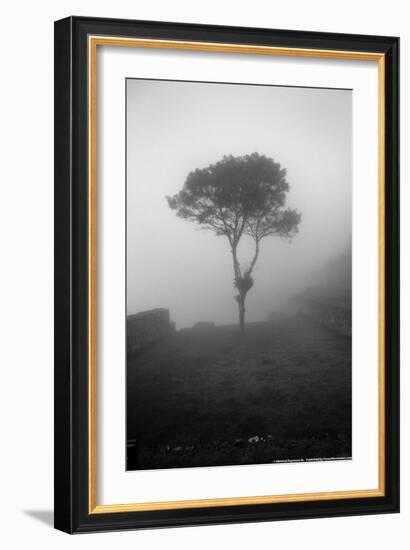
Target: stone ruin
(329, 301)
(147, 328)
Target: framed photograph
(226, 274)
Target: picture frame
(77, 408)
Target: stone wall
(147, 328)
(335, 313)
(327, 297)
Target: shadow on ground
(43, 516)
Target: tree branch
(255, 257)
(236, 265)
(227, 232)
(239, 234)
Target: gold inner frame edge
(93, 42)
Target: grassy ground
(197, 398)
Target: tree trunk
(241, 305)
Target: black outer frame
(71, 275)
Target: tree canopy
(238, 196)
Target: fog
(176, 127)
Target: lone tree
(239, 196)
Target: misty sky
(176, 127)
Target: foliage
(239, 196)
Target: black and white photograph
(227, 277)
(239, 276)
